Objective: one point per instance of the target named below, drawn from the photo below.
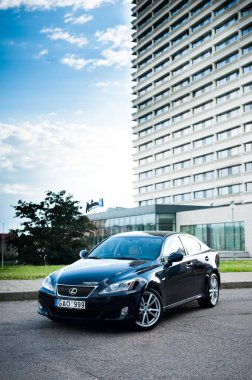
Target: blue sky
(65, 102)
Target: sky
(65, 102)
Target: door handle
(189, 265)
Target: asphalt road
(190, 343)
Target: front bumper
(122, 306)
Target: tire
(213, 290)
(150, 310)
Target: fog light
(124, 311)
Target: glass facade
(219, 236)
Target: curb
(236, 285)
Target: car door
(196, 252)
(177, 278)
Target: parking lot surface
(190, 343)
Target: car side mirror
(83, 253)
(174, 257)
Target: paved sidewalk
(15, 290)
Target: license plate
(70, 304)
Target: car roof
(145, 234)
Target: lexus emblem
(73, 291)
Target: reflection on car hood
(92, 270)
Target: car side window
(192, 245)
(172, 244)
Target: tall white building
(192, 83)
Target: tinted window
(173, 244)
(192, 245)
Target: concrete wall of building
(241, 213)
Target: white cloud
(77, 63)
(42, 53)
(83, 19)
(59, 34)
(112, 57)
(120, 36)
(52, 4)
(14, 189)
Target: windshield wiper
(94, 257)
(126, 258)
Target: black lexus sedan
(133, 276)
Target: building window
(228, 152)
(231, 170)
(201, 23)
(201, 142)
(224, 7)
(181, 132)
(145, 76)
(182, 181)
(163, 200)
(249, 186)
(229, 133)
(181, 116)
(246, 49)
(248, 167)
(162, 139)
(162, 95)
(226, 24)
(247, 29)
(201, 56)
(144, 90)
(182, 148)
(246, 11)
(226, 42)
(226, 60)
(145, 146)
(162, 35)
(247, 68)
(203, 107)
(203, 124)
(182, 197)
(145, 189)
(200, 40)
(145, 175)
(180, 22)
(179, 38)
(162, 185)
(163, 170)
(180, 69)
(231, 189)
(178, 7)
(248, 127)
(162, 50)
(206, 176)
(229, 95)
(162, 124)
(219, 236)
(199, 7)
(162, 80)
(162, 155)
(181, 100)
(145, 118)
(203, 89)
(181, 84)
(161, 21)
(203, 159)
(208, 193)
(145, 160)
(163, 109)
(147, 202)
(145, 132)
(248, 147)
(227, 115)
(180, 53)
(248, 107)
(202, 73)
(144, 104)
(227, 78)
(182, 165)
(161, 65)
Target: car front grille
(74, 291)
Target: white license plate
(70, 304)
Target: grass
(27, 272)
(31, 272)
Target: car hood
(98, 270)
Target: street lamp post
(3, 247)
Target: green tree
(53, 230)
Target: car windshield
(134, 248)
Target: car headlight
(47, 284)
(121, 286)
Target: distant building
(193, 101)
